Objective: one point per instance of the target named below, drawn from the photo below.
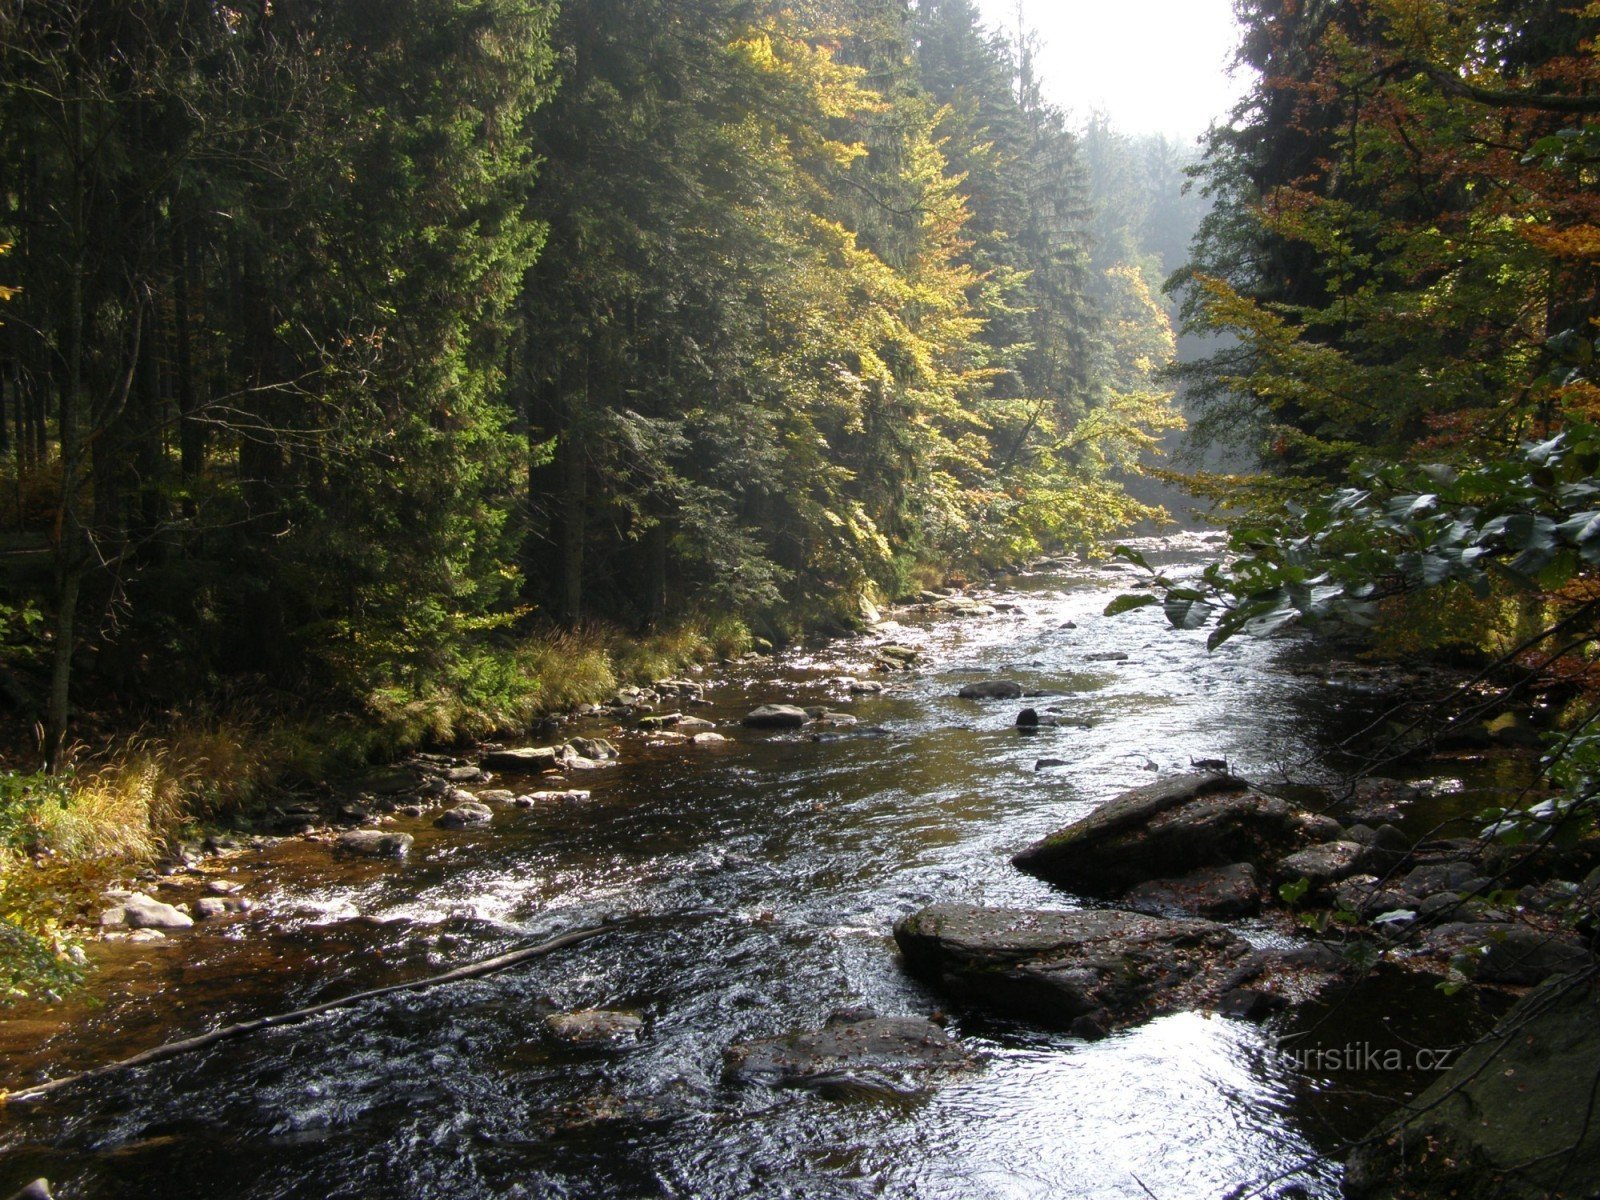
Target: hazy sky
(1157, 66)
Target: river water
(759, 882)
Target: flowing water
(759, 882)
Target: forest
(350, 346)
(385, 377)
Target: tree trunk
(574, 481)
(656, 573)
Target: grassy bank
(63, 838)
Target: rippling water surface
(760, 881)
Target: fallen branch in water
(172, 1049)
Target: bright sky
(1157, 66)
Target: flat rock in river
(1168, 830)
(375, 843)
(991, 689)
(776, 716)
(876, 1044)
(1096, 970)
(524, 758)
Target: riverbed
(755, 884)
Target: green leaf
(1128, 603)
(1133, 556)
(1186, 612)
(1582, 528)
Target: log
(228, 1032)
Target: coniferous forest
(504, 489)
(349, 343)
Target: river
(759, 882)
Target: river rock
(991, 689)
(898, 658)
(223, 887)
(776, 716)
(1501, 952)
(39, 1189)
(385, 781)
(597, 749)
(693, 724)
(875, 1044)
(375, 843)
(1230, 891)
(707, 739)
(1112, 968)
(962, 606)
(1368, 897)
(527, 759)
(1322, 865)
(1167, 830)
(865, 687)
(1430, 879)
(595, 1025)
(1386, 846)
(1510, 1120)
(533, 798)
(209, 907)
(465, 816)
(139, 911)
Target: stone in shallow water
(138, 911)
(1117, 968)
(595, 1025)
(776, 716)
(525, 758)
(991, 689)
(534, 798)
(875, 1044)
(465, 816)
(375, 843)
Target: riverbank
(762, 875)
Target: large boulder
(1088, 971)
(1512, 1119)
(844, 1046)
(1167, 830)
(991, 689)
(776, 716)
